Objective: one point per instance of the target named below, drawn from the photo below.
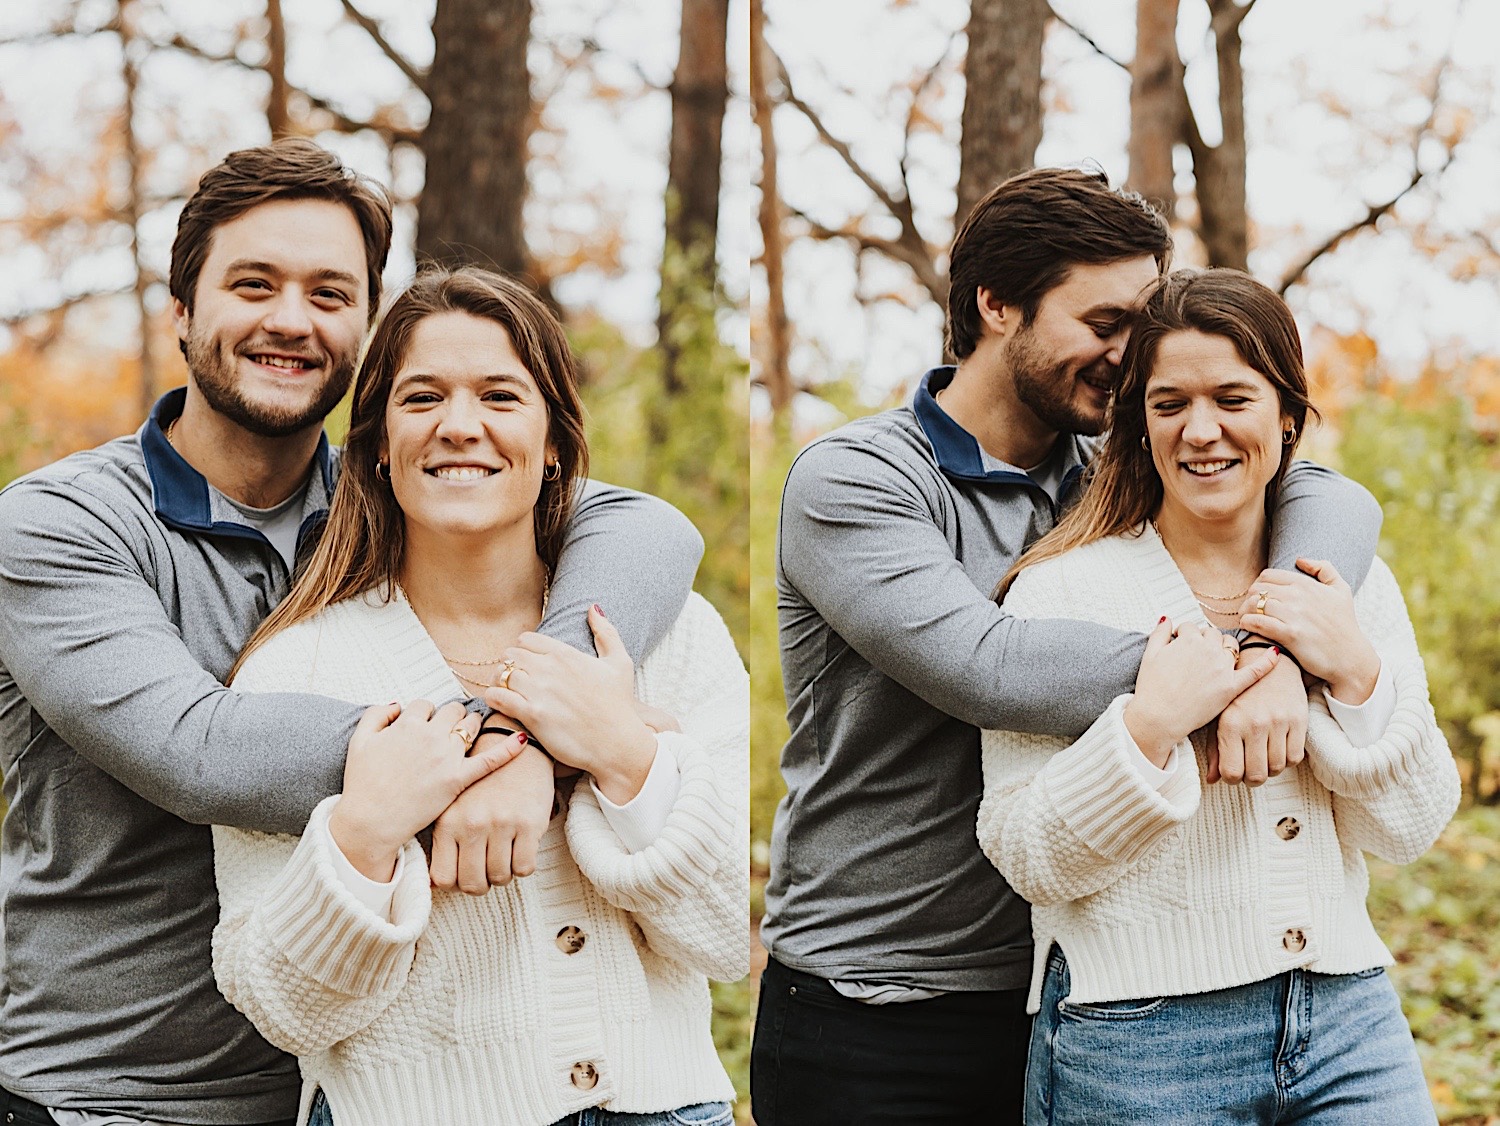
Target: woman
(580, 990)
(1203, 953)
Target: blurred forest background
(1344, 154)
(599, 148)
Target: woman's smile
(466, 430)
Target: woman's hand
(1187, 678)
(491, 832)
(581, 708)
(404, 768)
(1312, 615)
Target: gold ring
(464, 734)
(508, 667)
(1260, 602)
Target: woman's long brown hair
(1123, 490)
(363, 542)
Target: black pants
(16, 1111)
(820, 1059)
(22, 1112)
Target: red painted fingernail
(1161, 619)
(1275, 651)
(600, 610)
(521, 738)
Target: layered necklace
(1227, 605)
(1232, 614)
(490, 662)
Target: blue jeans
(700, 1114)
(1300, 1047)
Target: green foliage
(1440, 916)
(1436, 477)
(770, 457)
(734, 1023)
(15, 436)
(688, 447)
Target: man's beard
(1047, 388)
(213, 368)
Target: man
(899, 958)
(130, 576)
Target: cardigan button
(1294, 940)
(1288, 827)
(585, 1076)
(570, 940)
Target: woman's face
(466, 430)
(1215, 427)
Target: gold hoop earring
(1145, 443)
(382, 471)
(552, 472)
(1289, 435)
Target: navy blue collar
(957, 451)
(179, 492)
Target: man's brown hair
(1024, 236)
(292, 168)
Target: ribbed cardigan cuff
(326, 932)
(1366, 772)
(690, 849)
(1104, 801)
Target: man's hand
(1264, 729)
(491, 831)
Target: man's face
(279, 315)
(1066, 362)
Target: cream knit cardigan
(472, 1011)
(1196, 887)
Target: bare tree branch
(66, 303)
(910, 248)
(918, 261)
(916, 104)
(1089, 39)
(403, 64)
(1368, 219)
(789, 96)
(590, 47)
(341, 120)
(1378, 211)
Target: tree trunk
(131, 212)
(475, 140)
(1155, 103)
(278, 117)
(699, 91)
(1220, 170)
(1002, 118)
(775, 364)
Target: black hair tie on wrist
(505, 732)
(1282, 649)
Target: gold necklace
(546, 594)
(1207, 609)
(471, 680)
(1198, 594)
(171, 426)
